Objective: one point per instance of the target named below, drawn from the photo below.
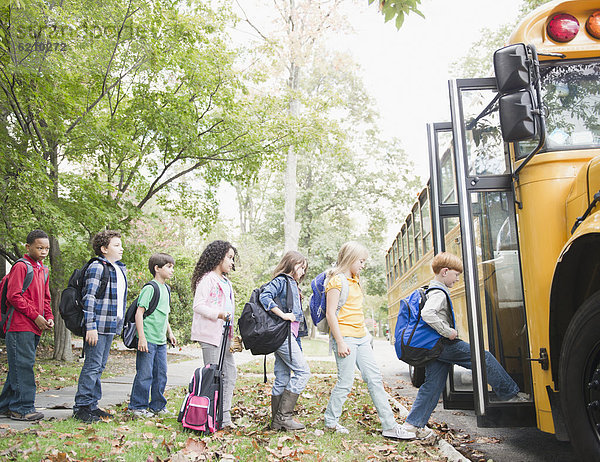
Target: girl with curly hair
(213, 304)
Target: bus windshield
(571, 96)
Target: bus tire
(580, 379)
(417, 375)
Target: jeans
(18, 394)
(457, 352)
(89, 387)
(284, 366)
(150, 379)
(361, 355)
(210, 354)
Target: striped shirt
(101, 314)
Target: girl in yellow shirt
(352, 342)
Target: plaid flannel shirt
(101, 314)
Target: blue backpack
(318, 300)
(416, 342)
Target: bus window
(447, 173)
(571, 92)
(411, 242)
(416, 213)
(404, 250)
(398, 261)
(485, 146)
(425, 216)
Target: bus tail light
(563, 27)
(593, 24)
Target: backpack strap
(343, 292)
(429, 289)
(155, 298)
(6, 318)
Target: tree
(113, 107)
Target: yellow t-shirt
(350, 317)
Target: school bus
(514, 189)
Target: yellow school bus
(514, 190)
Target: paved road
(520, 444)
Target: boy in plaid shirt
(103, 320)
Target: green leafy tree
(109, 107)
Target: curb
(445, 448)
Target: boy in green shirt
(147, 392)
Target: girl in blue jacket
(287, 387)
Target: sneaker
(519, 398)
(338, 429)
(5, 412)
(100, 413)
(229, 425)
(142, 413)
(407, 431)
(84, 414)
(30, 417)
(164, 412)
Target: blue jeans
(457, 352)
(18, 394)
(361, 356)
(284, 366)
(150, 379)
(89, 387)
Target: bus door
(445, 223)
(493, 291)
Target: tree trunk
(291, 229)
(62, 335)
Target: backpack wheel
(417, 375)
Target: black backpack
(5, 308)
(71, 304)
(262, 331)
(130, 339)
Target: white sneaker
(164, 412)
(520, 398)
(338, 429)
(407, 431)
(142, 413)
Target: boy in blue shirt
(147, 391)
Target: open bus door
(473, 215)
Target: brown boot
(284, 418)
(275, 399)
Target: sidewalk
(58, 403)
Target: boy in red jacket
(31, 314)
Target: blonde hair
(348, 254)
(446, 260)
(288, 263)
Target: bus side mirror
(511, 66)
(518, 110)
(517, 116)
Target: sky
(406, 71)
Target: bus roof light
(592, 25)
(563, 27)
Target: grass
(160, 439)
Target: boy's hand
(172, 339)
(91, 337)
(50, 323)
(41, 322)
(453, 334)
(143, 345)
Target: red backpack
(6, 309)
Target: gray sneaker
(519, 398)
(144, 413)
(408, 432)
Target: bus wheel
(580, 379)
(417, 375)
